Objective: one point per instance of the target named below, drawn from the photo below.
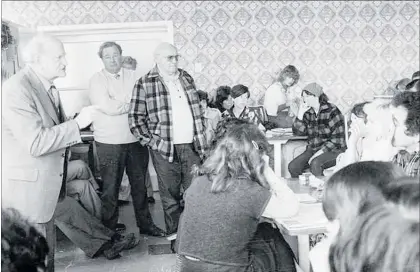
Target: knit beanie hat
(314, 89)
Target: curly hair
(23, 247)
(411, 102)
(223, 127)
(237, 156)
(222, 93)
(288, 71)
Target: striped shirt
(410, 162)
(256, 115)
(150, 114)
(325, 131)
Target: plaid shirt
(410, 162)
(325, 131)
(150, 114)
(256, 115)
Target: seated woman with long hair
(223, 100)
(278, 100)
(385, 238)
(220, 227)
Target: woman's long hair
(288, 71)
(222, 93)
(237, 156)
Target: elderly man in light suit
(35, 138)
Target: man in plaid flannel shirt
(165, 115)
(323, 123)
(406, 117)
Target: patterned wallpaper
(354, 49)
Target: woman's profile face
(228, 103)
(288, 81)
(241, 101)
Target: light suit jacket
(34, 141)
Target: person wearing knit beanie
(323, 123)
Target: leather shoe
(120, 227)
(151, 200)
(152, 230)
(125, 243)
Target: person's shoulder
(99, 75)
(331, 108)
(18, 82)
(275, 87)
(199, 182)
(185, 74)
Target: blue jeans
(171, 176)
(113, 159)
(318, 164)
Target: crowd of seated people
(217, 154)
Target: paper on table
(306, 198)
(309, 216)
(282, 130)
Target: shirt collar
(155, 72)
(113, 75)
(45, 82)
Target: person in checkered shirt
(165, 115)
(323, 123)
(406, 117)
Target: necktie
(53, 93)
(117, 76)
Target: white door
(82, 42)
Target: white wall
(81, 43)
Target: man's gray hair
(37, 46)
(161, 47)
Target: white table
(310, 220)
(278, 142)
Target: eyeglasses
(173, 58)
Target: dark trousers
(171, 176)
(113, 159)
(82, 228)
(48, 230)
(317, 166)
(282, 120)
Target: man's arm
(300, 126)
(337, 139)
(21, 116)
(137, 117)
(98, 95)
